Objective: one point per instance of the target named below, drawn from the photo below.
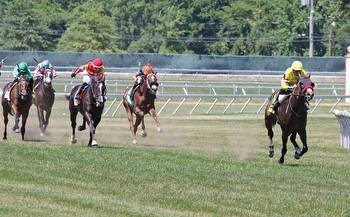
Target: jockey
(147, 69)
(42, 67)
(90, 70)
(21, 68)
(289, 80)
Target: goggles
(97, 68)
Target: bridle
(305, 92)
(153, 85)
(98, 99)
(22, 78)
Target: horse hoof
(4, 138)
(94, 143)
(134, 142)
(81, 128)
(159, 130)
(41, 134)
(281, 161)
(144, 133)
(73, 140)
(296, 156)
(17, 131)
(271, 154)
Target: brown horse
(91, 107)
(44, 99)
(292, 117)
(143, 104)
(20, 102)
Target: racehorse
(292, 117)
(44, 99)
(143, 104)
(91, 107)
(19, 104)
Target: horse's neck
(297, 103)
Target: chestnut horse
(44, 99)
(19, 104)
(143, 104)
(91, 107)
(292, 117)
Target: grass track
(199, 166)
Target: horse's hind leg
(271, 147)
(73, 117)
(302, 135)
(129, 114)
(284, 147)
(296, 146)
(154, 115)
(6, 120)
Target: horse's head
(152, 82)
(98, 90)
(306, 87)
(47, 78)
(23, 84)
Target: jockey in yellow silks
(290, 78)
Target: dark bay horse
(292, 117)
(143, 104)
(20, 102)
(44, 99)
(91, 107)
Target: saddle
(81, 94)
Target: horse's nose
(309, 94)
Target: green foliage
(225, 27)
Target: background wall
(178, 63)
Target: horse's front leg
(47, 117)
(284, 146)
(24, 121)
(143, 133)
(152, 111)
(302, 135)
(16, 127)
(137, 123)
(41, 120)
(89, 120)
(83, 125)
(296, 146)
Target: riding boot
(77, 96)
(30, 86)
(7, 93)
(274, 105)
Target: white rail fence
(237, 90)
(344, 121)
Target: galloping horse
(19, 104)
(91, 107)
(44, 99)
(292, 117)
(143, 104)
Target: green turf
(200, 165)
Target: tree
(90, 29)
